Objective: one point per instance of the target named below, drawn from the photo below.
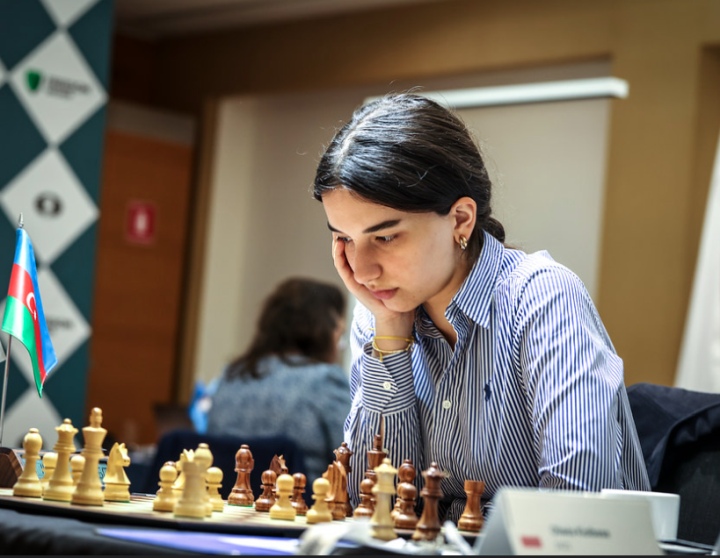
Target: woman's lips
(384, 294)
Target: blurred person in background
(289, 381)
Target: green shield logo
(33, 78)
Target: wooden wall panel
(654, 186)
(382, 46)
(138, 289)
(132, 75)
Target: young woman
(289, 380)
(489, 361)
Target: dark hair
(407, 152)
(299, 317)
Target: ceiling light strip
(591, 88)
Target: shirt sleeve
(381, 391)
(332, 395)
(573, 378)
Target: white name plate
(664, 510)
(559, 522)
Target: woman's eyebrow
(375, 228)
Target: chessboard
(190, 487)
(139, 512)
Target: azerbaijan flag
(24, 318)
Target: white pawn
(214, 482)
(77, 464)
(165, 499)
(28, 483)
(49, 462)
(283, 508)
(320, 511)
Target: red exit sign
(140, 223)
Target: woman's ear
(464, 214)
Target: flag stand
(10, 466)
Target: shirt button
(446, 404)
(387, 386)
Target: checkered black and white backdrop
(54, 66)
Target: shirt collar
(474, 298)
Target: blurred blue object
(200, 404)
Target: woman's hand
(387, 322)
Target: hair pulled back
(409, 153)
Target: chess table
(138, 512)
(33, 525)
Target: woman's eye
(386, 239)
(343, 239)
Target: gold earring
(462, 241)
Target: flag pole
(4, 391)
(7, 367)
(10, 467)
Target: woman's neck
(436, 307)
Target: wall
(264, 225)
(141, 261)
(656, 168)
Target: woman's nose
(364, 265)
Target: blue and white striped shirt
(532, 395)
